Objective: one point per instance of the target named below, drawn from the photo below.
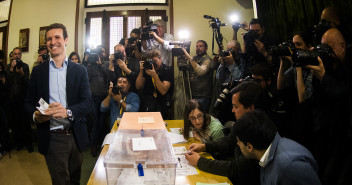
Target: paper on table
(176, 138)
(184, 168)
(176, 130)
(143, 143)
(180, 150)
(146, 119)
(109, 138)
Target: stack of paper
(176, 138)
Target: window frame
(126, 4)
(117, 13)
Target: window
(92, 3)
(107, 28)
(95, 32)
(4, 10)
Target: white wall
(34, 14)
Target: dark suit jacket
(79, 101)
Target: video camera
(215, 22)
(237, 26)
(283, 49)
(310, 57)
(226, 89)
(148, 27)
(178, 52)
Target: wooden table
(98, 176)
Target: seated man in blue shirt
(282, 161)
(121, 101)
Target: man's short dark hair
(255, 127)
(17, 48)
(264, 70)
(250, 93)
(57, 26)
(136, 31)
(42, 48)
(257, 21)
(203, 41)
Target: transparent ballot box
(130, 151)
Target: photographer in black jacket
(99, 78)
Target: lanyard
(121, 105)
(123, 73)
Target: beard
(200, 53)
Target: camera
(116, 89)
(309, 57)
(226, 89)
(215, 22)
(149, 27)
(225, 53)
(320, 29)
(118, 55)
(19, 64)
(45, 57)
(250, 37)
(148, 64)
(178, 52)
(282, 50)
(131, 40)
(237, 25)
(93, 56)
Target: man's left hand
(192, 158)
(260, 46)
(56, 110)
(151, 72)
(121, 64)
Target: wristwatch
(69, 115)
(120, 101)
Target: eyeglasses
(200, 116)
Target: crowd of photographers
(303, 85)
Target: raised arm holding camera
(200, 74)
(124, 66)
(154, 81)
(160, 40)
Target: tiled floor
(30, 169)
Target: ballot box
(140, 157)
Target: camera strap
(123, 72)
(121, 105)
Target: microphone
(208, 17)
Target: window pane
(4, 10)
(95, 32)
(153, 18)
(104, 2)
(133, 22)
(116, 32)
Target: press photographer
(155, 84)
(124, 66)
(17, 76)
(133, 45)
(256, 43)
(99, 77)
(158, 39)
(43, 55)
(119, 100)
(331, 101)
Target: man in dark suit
(62, 132)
